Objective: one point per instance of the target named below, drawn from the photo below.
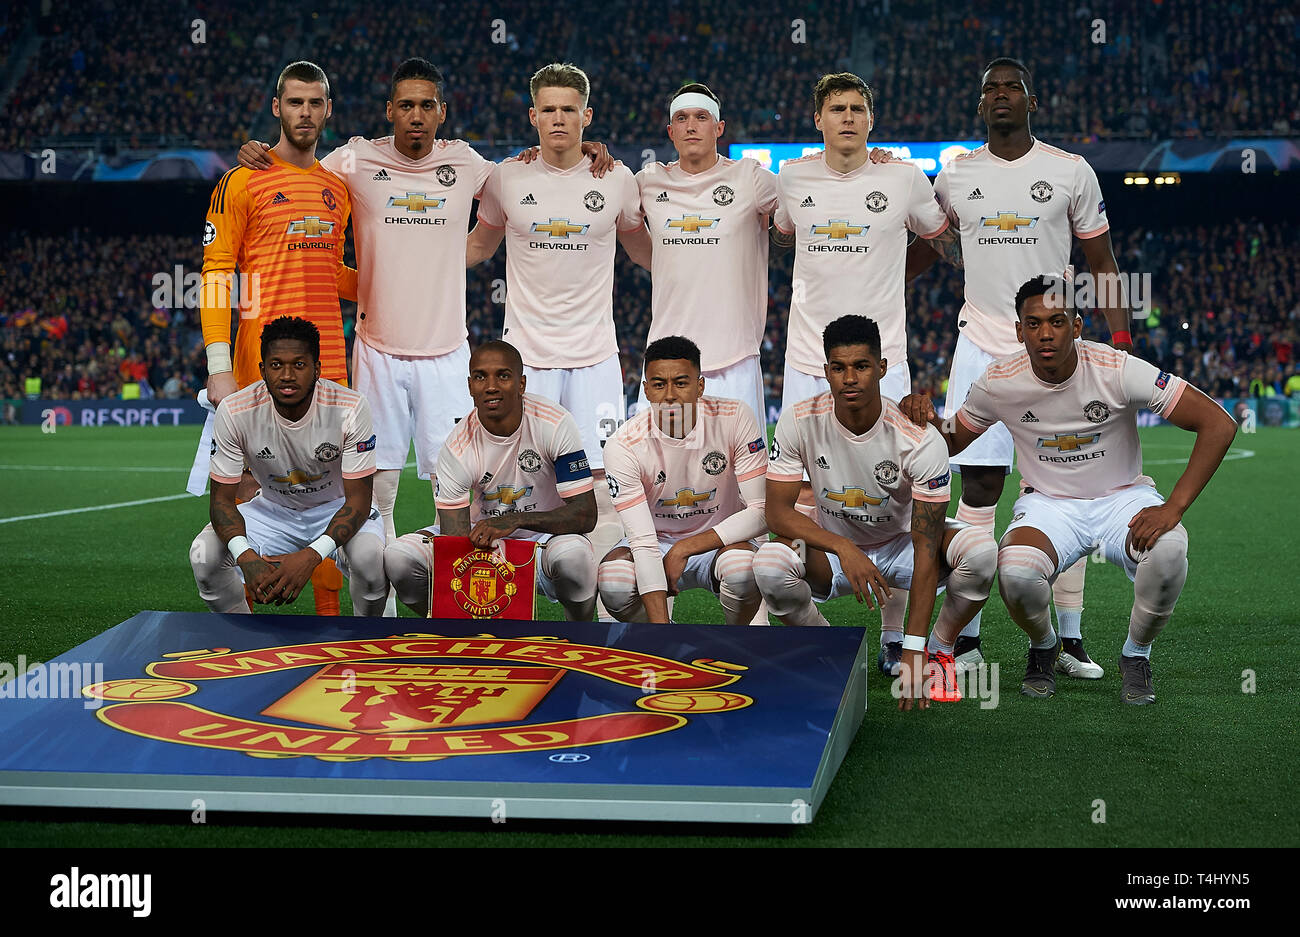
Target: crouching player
(882, 487)
(513, 468)
(686, 475)
(1072, 408)
(308, 444)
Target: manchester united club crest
(714, 463)
(530, 461)
(446, 175)
(1096, 411)
(886, 473)
(594, 201)
(483, 584)
(327, 452)
(1041, 191)
(408, 697)
(327, 197)
(723, 195)
(877, 202)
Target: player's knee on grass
(408, 561)
(1024, 579)
(617, 582)
(737, 589)
(570, 564)
(972, 555)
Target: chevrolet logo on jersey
(687, 498)
(559, 228)
(852, 497)
(839, 229)
(297, 477)
(415, 201)
(1068, 442)
(506, 495)
(690, 224)
(310, 226)
(1008, 221)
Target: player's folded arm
(1214, 429)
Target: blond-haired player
(561, 228)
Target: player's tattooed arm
(1112, 296)
(1214, 430)
(576, 516)
(452, 522)
(228, 523)
(780, 240)
(947, 244)
(927, 546)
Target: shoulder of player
(893, 416)
(633, 431)
(817, 406)
(544, 409)
(1007, 367)
(333, 394)
(978, 154)
(1049, 150)
(248, 398)
(801, 162)
(1095, 353)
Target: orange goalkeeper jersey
(284, 229)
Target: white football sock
(1067, 599)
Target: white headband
(695, 99)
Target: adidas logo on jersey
(528, 200)
(974, 195)
(660, 478)
(808, 203)
(822, 463)
(661, 197)
(1029, 417)
(381, 176)
(279, 199)
(487, 477)
(266, 454)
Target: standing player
(708, 220)
(308, 443)
(1082, 464)
(513, 468)
(561, 227)
(411, 195)
(686, 475)
(882, 495)
(1017, 202)
(848, 218)
(284, 230)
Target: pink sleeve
(924, 216)
(766, 197)
(491, 211)
(630, 215)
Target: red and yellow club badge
(412, 697)
(471, 583)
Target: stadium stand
(1198, 79)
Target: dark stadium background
(102, 84)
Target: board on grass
(552, 720)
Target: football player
(1082, 464)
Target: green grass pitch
(1209, 765)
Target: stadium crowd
(79, 313)
(134, 70)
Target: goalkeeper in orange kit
(284, 230)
